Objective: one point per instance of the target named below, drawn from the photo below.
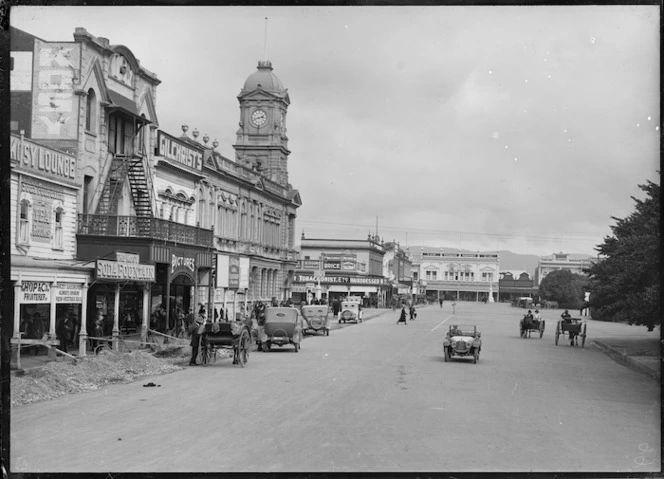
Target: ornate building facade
(147, 219)
(454, 274)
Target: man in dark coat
(194, 330)
(402, 318)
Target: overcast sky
(521, 128)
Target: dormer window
(121, 70)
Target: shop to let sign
(69, 293)
(35, 292)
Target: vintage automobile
(282, 326)
(315, 319)
(351, 310)
(462, 340)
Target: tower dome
(264, 78)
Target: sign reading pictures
(182, 263)
(177, 150)
(119, 271)
(35, 292)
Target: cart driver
(538, 316)
(567, 318)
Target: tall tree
(624, 283)
(564, 287)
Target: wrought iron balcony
(143, 227)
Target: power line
(467, 233)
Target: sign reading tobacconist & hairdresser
(128, 270)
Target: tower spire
(265, 42)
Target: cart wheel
(445, 353)
(204, 355)
(243, 347)
(542, 325)
(557, 336)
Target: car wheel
(445, 353)
(476, 356)
(557, 336)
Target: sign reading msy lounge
(39, 159)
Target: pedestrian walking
(402, 318)
(441, 302)
(413, 314)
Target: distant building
(397, 268)
(516, 284)
(562, 261)
(453, 274)
(334, 268)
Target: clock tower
(261, 142)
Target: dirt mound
(93, 372)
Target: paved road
(372, 397)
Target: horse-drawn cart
(573, 328)
(235, 336)
(529, 325)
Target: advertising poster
(223, 271)
(244, 273)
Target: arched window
(24, 222)
(91, 112)
(57, 236)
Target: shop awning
(125, 105)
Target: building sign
(310, 264)
(42, 207)
(339, 280)
(35, 292)
(39, 159)
(334, 265)
(223, 271)
(348, 265)
(68, 293)
(234, 272)
(244, 273)
(182, 264)
(127, 257)
(115, 270)
(176, 150)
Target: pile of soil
(56, 379)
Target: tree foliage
(565, 287)
(624, 283)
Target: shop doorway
(181, 307)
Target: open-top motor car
(463, 341)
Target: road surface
(372, 397)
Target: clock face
(258, 118)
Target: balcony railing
(143, 227)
